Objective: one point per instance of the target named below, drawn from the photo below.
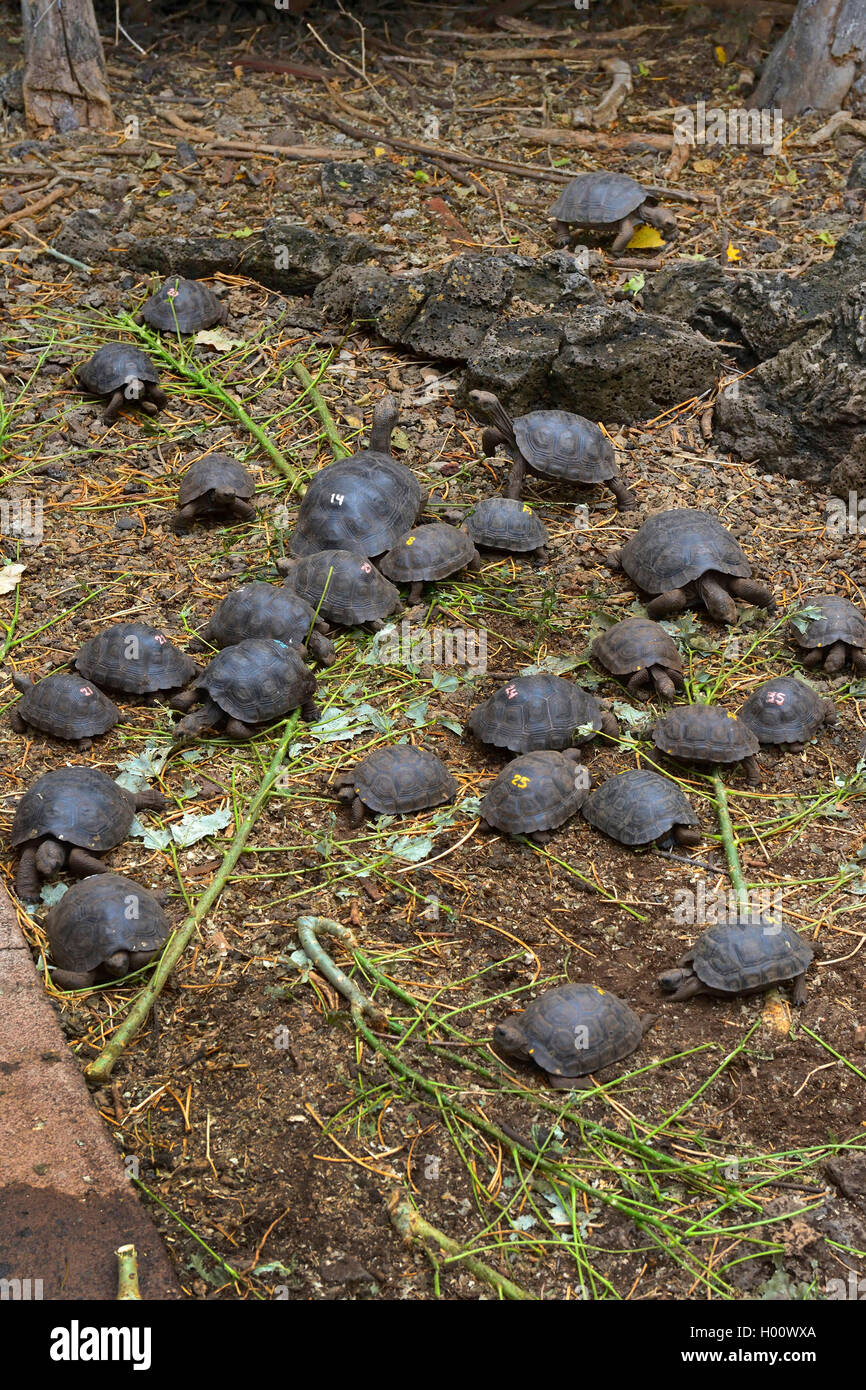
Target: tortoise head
(671, 980)
(490, 407)
(24, 683)
(385, 417)
(50, 857)
(509, 1037)
(117, 965)
(662, 219)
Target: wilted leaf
(218, 338)
(10, 577)
(704, 166)
(645, 237)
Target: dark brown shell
(343, 586)
(215, 471)
(134, 657)
(361, 503)
(751, 954)
(506, 523)
(433, 551)
(559, 444)
(531, 712)
(260, 610)
(783, 710)
(637, 806)
(840, 622)
(635, 644)
(538, 791)
(257, 680)
(77, 805)
(706, 734)
(112, 366)
(598, 198)
(184, 306)
(65, 706)
(403, 778)
(575, 1029)
(674, 548)
(100, 915)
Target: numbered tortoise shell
(134, 657)
(537, 791)
(101, 915)
(402, 779)
(705, 733)
(257, 680)
(506, 523)
(748, 955)
(433, 551)
(637, 807)
(362, 504)
(572, 1030)
(598, 198)
(840, 621)
(77, 805)
(534, 712)
(215, 472)
(260, 610)
(676, 547)
(66, 707)
(183, 306)
(635, 644)
(785, 710)
(113, 366)
(343, 587)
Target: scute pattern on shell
(433, 551)
(182, 305)
(538, 791)
(637, 806)
(77, 805)
(257, 680)
(633, 645)
(260, 610)
(67, 707)
(506, 523)
(215, 471)
(93, 920)
(112, 366)
(534, 712)
(361, 503)
(402, 779)
(134, 657)
(783, 710)
(577, 1029)
(749, 955)
(344, 587)
(706, 733)
(674, 548)
(599, 198)
(840, 622)
(559, 444)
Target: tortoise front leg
(836, 657)
(112, 410)
(322, 648)
(571, 1083)
(73, 979)
(750, 591)
(16, 723)
(156, 395)
(639, 685)
(357, 809)
(310, 712)
(208, 717)
(82, 863)
(243, 510)
(664, 683)
(674, 601)
(798, 991)
(236, 728)
(516, 475)
(491, 439)
(813, 658)
(625, 498)
(183, 517)
(687, 835)
(27, 876)
(626, 231)
(416, 593)
(149, 800)
(753, 772)
(183, 700)
(717, 600)
(562, 232)
(858, 660)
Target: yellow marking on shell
(410, 540)
(531, 1050)
(526, 507)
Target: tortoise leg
(416, 593)
(27, 876)
(117, 965)
(688, 988)
(243, 510)
(83, 864)
(84, 745)
(491, 439)
(571, 1083)
(139, 958)
(149, 800)
(836, 657)
(147, 406)
(717, 600)
(750, 591)
(310, 712)
(858, 660)
(112, 410)
(663, 683)
(156, 395)
(209, 716)
(562, 233)
(183, 517)
(626, 231)
(73, 979)
(16, 723)
(798, 991)
(183, 700)
(674, 601)
(475, 563)
(373, 625)
(753, 772)
(609, 725)
(539, 837)
(813, 658)
(322, 649)
(687, 834)
(792, 747)
(639, 685)
(236, 728)
(516, 475)
(357, 809)
(625, 498)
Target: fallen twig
(412, 1226)
(33, 208)
(606, 111)
(338, 448)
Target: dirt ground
(726, 1157)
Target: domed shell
(538, 791)
(257, 680)
(182, 306)
(77, 805)
(558, 444)
(674, 548)
(402, 779)
(706, 734)
(575, 1029)
(633, 645)
(67, 707)
(112, 366)
(752, 954)
(506, 523)
(100, 915)
(598, 198)
(637, 806)
(134, 657)
(433, 551)
(260, 610)
(784, 710)
(343, 587)
(215, 471)
(362, 504)
(840, 621)
(533, 712)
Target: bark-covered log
(64, 82)
(819, 64)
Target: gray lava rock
(354, 182)
(857, 172)
(513, 360)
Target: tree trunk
(64, 81)
(820, 63)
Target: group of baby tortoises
(359, 534)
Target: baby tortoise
(343, 587)
(246, 687)
(835, 638)
(102, 929)
(572, 1031)
(613, 202)
(69, 817)
(134, 657)
(786, 712)
(685, 555)
(540, 711)
(396, 781)
(266, 610)
(433, 551)
(124, 373)
(641, 650)
(536, 793)
(639, 807)
(552, 444)
(742, 957)
(182, 306)
(63, 706)
(506, 523)
(708, 734)
(215, 485)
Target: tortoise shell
(100, 915)
(538, 791)
(676, 547)
(749, 955)
(506, 523)
(633, 645)
(260, 610)
(598, 198)
(559, 444)
(257, 680)
(215, 471)
(112, 366)
(362, 504)
(182, 306)
(706, 734)
(573, 1030)
(77, 805)
(134, 657)
(840, 621)
(433, 551)
(531, 712)
(403, 778)
(637, 807)
(343, 587)
(67, 707)
(784, 710)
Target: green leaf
(411, 847)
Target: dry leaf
(10, 577)
(776, 1014)
(721, 55)
(704, 166)
(733, 253)
(218, 338)
(644, 237)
